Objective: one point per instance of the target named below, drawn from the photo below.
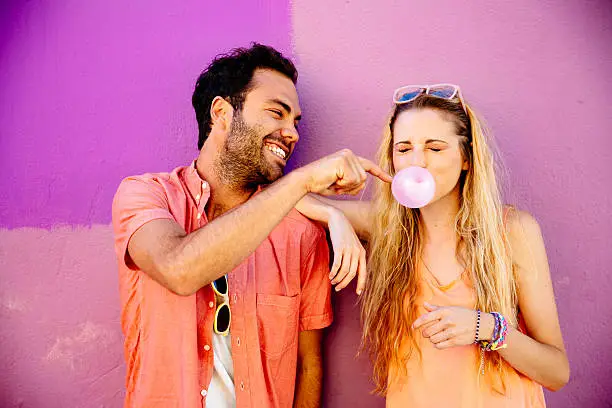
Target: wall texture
(539, 72)
(90, 93)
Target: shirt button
(238, 341)
(211, 304)
(203, 392)
(207, 347)
(204, 185)
(199, 216)
(198, 197)
(241, 385)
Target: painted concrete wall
(91, 93)
(540, 74)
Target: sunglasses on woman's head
(409, 93)
(223, 314)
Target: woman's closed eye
(403, 148)
(436, 146)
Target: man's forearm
(309, 384)
(220, 246)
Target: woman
(459, 308)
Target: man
(206, 250)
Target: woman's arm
(349, 254)
(540, 354)
(359, 213)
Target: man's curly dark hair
(229, 76)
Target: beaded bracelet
(476, 336)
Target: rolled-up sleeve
(138, 201)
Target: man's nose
(290, 134)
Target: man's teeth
(277, 151)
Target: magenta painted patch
(91, 92)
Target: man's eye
(277, 113)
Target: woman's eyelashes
(405, 149)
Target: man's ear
(221, 113)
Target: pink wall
(89, 94)
(540, 74)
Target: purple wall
(89, 94)
(540, 73)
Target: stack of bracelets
(498, 341)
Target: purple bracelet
(499, 334)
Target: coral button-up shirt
(279, 290)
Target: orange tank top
(450, 378)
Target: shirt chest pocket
(277, 322)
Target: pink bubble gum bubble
(413, 187)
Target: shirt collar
(198, 187)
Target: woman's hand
(453, 326)
(349, 254)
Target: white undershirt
(221, 392)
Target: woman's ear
(466, 163)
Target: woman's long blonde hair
(389, 306)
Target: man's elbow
(177, 280)
(182, 287)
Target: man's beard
(241, 162)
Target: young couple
(225, 286)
